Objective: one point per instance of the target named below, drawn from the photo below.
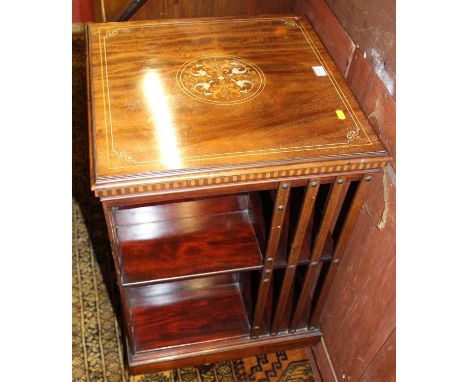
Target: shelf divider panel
(312, 271)
(282, 198)
(293, 258)
(342, 241)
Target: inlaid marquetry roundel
(221, 80)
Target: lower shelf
(217, 351)
(177, 314)
(198, 321)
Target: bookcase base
(217, 351)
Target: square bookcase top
(190, 96)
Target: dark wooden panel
(323, 362)
(162, 319)
(169, 9)
(182, 286)
(257, 215)
(376, 102)
(313, 363)
(177, 248)
(371, 25)
(360, 312)
(383, 366)
(82, 11)
(334, 37)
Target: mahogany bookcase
(231, 160)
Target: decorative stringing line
(103, 98)
(333, 80)
(219, 21)
(232, 179)
(120, 154)
(124, 155)
(249, 152)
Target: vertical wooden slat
(348, 226)
(281, 202)
(303, 223)
(312, 271)
(340, 205)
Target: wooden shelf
(188, 239)
(186, 312)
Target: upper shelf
(178, 98)
(188, 239)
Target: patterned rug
(98, 353)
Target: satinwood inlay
(221, 79)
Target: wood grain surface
(186, 316)
(174, 99)
(172, 241)
(382, 368)
(359, 314)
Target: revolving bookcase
(231, 160)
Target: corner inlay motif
(223, 80)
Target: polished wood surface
(180, 100)
(186, 316)
(180, 209)
(161, 249)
